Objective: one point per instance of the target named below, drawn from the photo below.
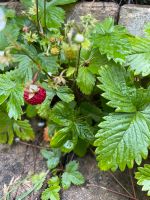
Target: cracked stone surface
(100, 10)
(13, 163)
(134, 18)
(95, 180)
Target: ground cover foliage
(95, 91)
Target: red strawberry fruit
(34, 94)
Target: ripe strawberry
(34, 94)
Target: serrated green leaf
(139, 59)
(72, 175)
(38, 180)
(85, 80)
(112, 40)
(143, 177)
(93, 59)
(53, 157)
(15, 102)
(122, 139)
(12, 91)
(23, 130)
(65, 94)
(62, 114)
(48, 63)
(55, 16)
(83, 130)
(120, 90)
(25, 67)
(52, 192)
(70, 127)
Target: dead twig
(120, 184)
(32, 145)
(132, 183)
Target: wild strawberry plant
(89, 81)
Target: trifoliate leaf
(85, 80)
(53, 157)
(52, 192)
(83, 130)
(139, 58)
(143, 177)
(72, 175)
(122, 139)
(111, 40)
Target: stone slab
(96, 179)
(100, 10)
(134, 18)
(18, 160)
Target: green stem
(78, 62)
(77, 67)
(37, 15)
(45, 13)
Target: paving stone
(134, 17)
(100, 10)
(96, 178)
(13, 163)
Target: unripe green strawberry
(55, 51)
(70, 51)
